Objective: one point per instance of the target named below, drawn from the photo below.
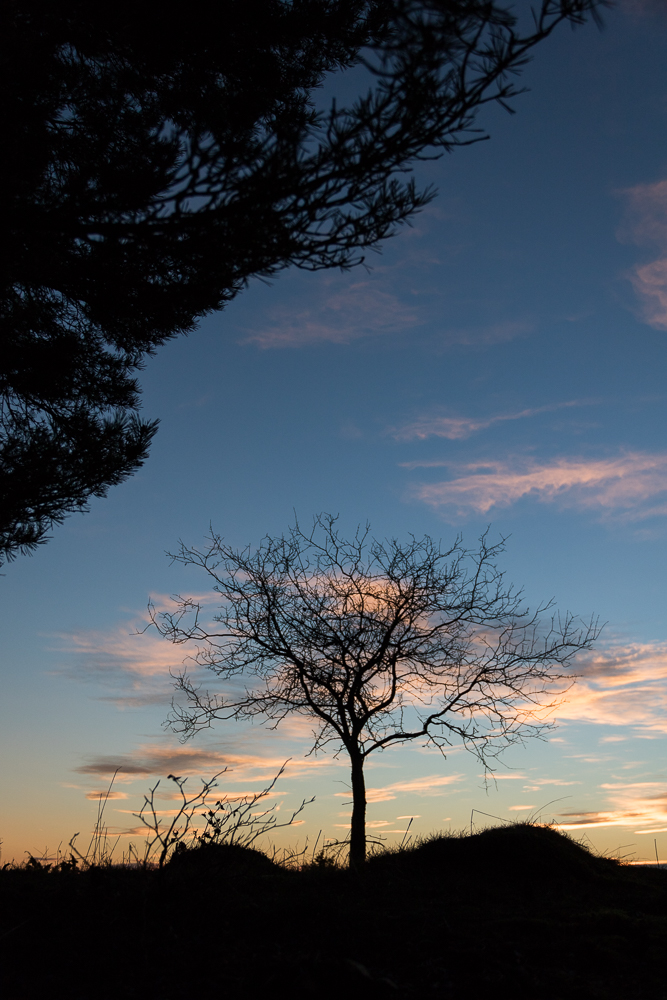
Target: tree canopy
(154, 167)
(377, 643)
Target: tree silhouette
(154, 167)
(379, 643)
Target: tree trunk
(358, 828)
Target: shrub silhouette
(228, 860)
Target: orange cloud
(642, 804)
(135, 669)
(631, 486)
(431, 785)
(138, 664)
(622, 685)
(106, 795)
(102, 652)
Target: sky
(500, 364)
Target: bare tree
(379, 643)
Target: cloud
(535, 783)
(360, 309)
(646, 223)
(106, 652)
(621, 685)
(646, 8)
(541, 782)
(187, 760)
(641, 805)
(137, 668)
(506, 777)
(137, 665)
(631, 486)
(431, 785)
(646, 214)
(485, 336)
(156, 760)
(650, 284)
(460, 428)
(106, 795)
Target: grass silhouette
(519, 910)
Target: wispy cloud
(391, 300)
(620, 685)
(135, 666)
(646, 214)
(485, 336)
(641, 805)
(136, 670)
(347, 312)
(460, 428)
(536, 784)
(646, 223)
(646, 8)
(650, 284)
(189, 760)
(631, 486)
(104, 795)
(431, 785)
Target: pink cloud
(631, 486)
(646, 223)
(484, 336)
(646, 8)
(646, 214)
(650, 284)
(357, 310)
(459, 428)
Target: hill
(520, 910)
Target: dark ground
(519, 911)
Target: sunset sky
(502, 363)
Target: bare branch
(378, 642)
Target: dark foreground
(521, 911)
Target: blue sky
(501, 363)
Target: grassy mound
(519, 910)
(222, 861)
(519, 854)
